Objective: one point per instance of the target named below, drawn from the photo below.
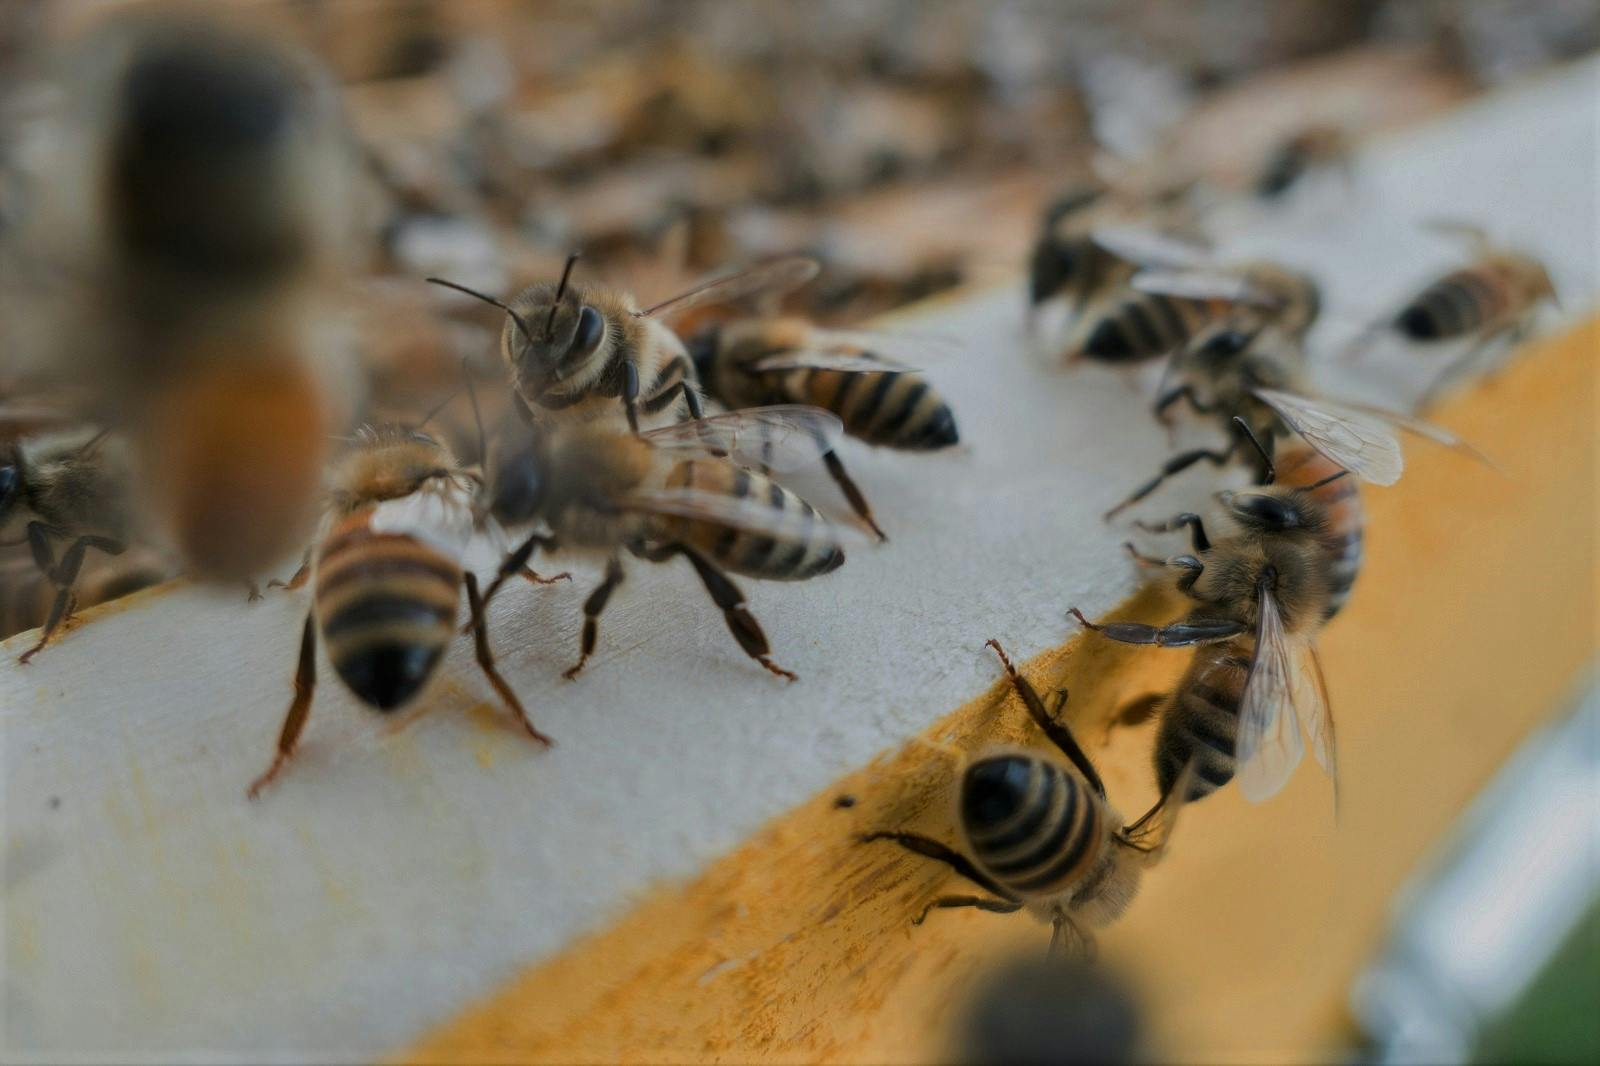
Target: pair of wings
(1359, 438)
(1172, 266)
(782, 438)
(1285, 693)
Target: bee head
(564, 332)
(1267, 510)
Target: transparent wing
(1152, 249)
(1363, 444)
(1203, 285)
(746, 513)
(1310, 695)
(783, 437)
(1437, 434)
(778, 276)
(828, 359)
(1269, 746)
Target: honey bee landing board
(678, 877)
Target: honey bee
(197, 203)
(386, 576)
(70, 488)
(1495, 297)
(1262, 594)
(677, 490)
(1178, 292)
(1040, 834)
(1297, 155)
(578, 348)
(759, 362)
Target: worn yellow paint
(1474, 618)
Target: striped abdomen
(386, 607)
(1341, 500)
(805, 552)
(886, 409)
(1456, 305)
(1201, 720)
(1141, 325)
(1036, 827)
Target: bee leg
(1140, 557)
(1189, 520)
(305, 683)
(630, 394)
(929, 848)
(982, 903)
(691, 400)
(858, 502)
(63, 576)
(480, 640)
(517, 561)
(1184, 392)
(528, 574)
(592, 608)
(1181, 635)
(1067, 939)
(1059, 733)
(299, 578)
(1176, 465)
(741, 623)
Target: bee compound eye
(591, 327)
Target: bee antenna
(475, 294)
(561, 290)
(1270, 473)
(1324, 481)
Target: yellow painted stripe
(1473, 619)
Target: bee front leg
(1187, 520)
(630, 394)
(1176, 465)
(480, 641)
(1181, 635)
(63, 575)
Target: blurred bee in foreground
(757, 362)
(1041, 835)
(579, 348)
(1309, 149)
(65, 488)
(677, 490)
(1262, 594)
(1494, 298)
(1178, 293)
(197, 202)
(1059, 1010)
(386, 576)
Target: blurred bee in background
(196, 206)
(1494, 298)
(1069, 265)
(1178, 292)
(677, 490)
(70, 488)
(757, 362)
(1059, 1010)
(577, 349)
(1262, 594)
(386, 575)
(1301, 153)
(1040, 835)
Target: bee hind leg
(741, 623)
(852, 493)
(929, 848)
(982, 903)
(305, 683)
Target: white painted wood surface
(151, 913)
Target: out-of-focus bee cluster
(248, 305)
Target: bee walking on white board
(575, 350)
(386, 577)
(1039, 834)
(674, 491)
(851, 373)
